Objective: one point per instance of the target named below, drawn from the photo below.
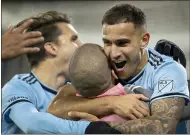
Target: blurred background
(166, 20)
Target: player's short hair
(46, 24)
(124, 13)
(89, 70)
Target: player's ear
(114, 77)
(145, 40)
(113, 74)
(51, 48)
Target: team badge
(165, 84)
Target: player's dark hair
(46, 24)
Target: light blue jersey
(24, 103)
(163, 77)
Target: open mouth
(120, 64)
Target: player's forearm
(165, 116)
(148, 125)
(98, 107)
(30, 121)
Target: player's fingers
(24, 26)
(137, 114)
(83, 115)
(143, 109)
(131, 116)
(32, 34)
(140, 97)
(30, 50)
(10, 29)
(33, 41)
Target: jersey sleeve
(170, 81)
(19, 107)
(13, 93)
(30, 121)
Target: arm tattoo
(165, 114)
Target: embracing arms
(66, 101)
(165, 114)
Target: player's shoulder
(162, 63)
(27, 79)
(19, 82)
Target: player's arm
(139, 90)
(186, 113)
(66, 101)
(30, 121)
(165, 114)
(19, 106)
(170, 90)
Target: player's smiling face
(122, 46)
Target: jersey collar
(45, 87)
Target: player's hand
(82, 116)
(17, 42)
(133, 89)
(171, 49)
(129, 106)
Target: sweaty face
(68, 42)
(122, 46)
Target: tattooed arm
(165, 114)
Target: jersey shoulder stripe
(29, 79)
(155, 59)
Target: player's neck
(142, 63)
(50, 75)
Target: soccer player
(125, 40)
(90, 74)
(25, 97)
